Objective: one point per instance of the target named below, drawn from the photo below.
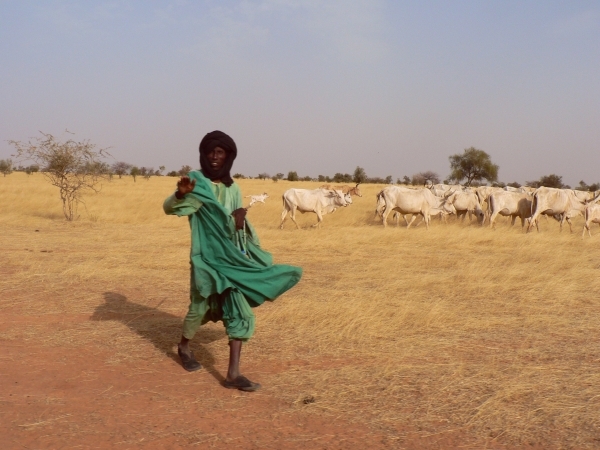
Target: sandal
(242, 383)
(188, 362)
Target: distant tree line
(473, 167)
(77, 166)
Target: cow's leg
(385, 215)
(570, 224)
(512, 223)
(493, 219)
(293, 217)
(319, 219)
(562, 219)
(283, 216)
(532, 221)
(420, 222)
(426, 219)
(414, 216)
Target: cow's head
(356, 190)
(379, 210)
(447, 207)
(340, 197)
(348, 198)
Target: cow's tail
(377, 207)
(534, 203)
(491, 204)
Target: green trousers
(230, 307)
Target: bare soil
(73, 396)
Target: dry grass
(494, 333)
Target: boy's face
(217, 157)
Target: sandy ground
(73, 397)
(456, 337)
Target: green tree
(360, 176)
(6, 166)
(185, 170)
(121, 168)
(292, 176)
(34, 168)
(419, 179)
(263, 176)
(551, 181)
(472, 165)
(342, 178)
(74, 167)
(134, 172)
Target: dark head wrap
(210, 142)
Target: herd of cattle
(485, 203)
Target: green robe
(230, 271)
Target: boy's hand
(239, 215)
(184, 186)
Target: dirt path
(74, 396)
(54, 398)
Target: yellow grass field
(459, 336)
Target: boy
(230, 273)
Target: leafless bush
(73, 167)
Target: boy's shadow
(160, 328)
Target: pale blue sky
(313, 86)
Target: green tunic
(230, 273)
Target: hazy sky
(313, 86)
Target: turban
(209, 143)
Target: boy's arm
(179, 202)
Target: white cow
(555, 202)
(352, 190)
(319, 201)
(257, 198)
(512, 204)
(483, 193)
(439, 190)
(583, 195)
(592, 215)
(518, 190)
(409, 201)
(465, 201)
